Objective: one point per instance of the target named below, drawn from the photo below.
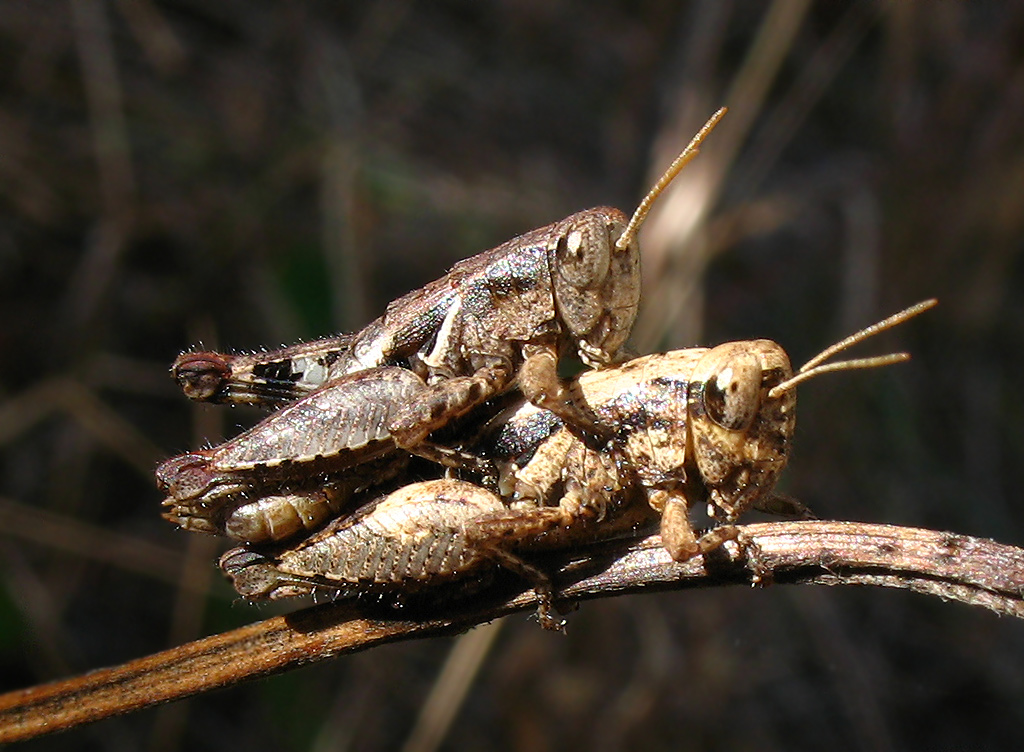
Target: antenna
(817, 366)
(691, 151)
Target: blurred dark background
(248, 174)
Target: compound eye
(732, 396)
(584, 255)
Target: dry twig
(955, 567)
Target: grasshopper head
(742, 411)
(597, 267)
(596, 282)
(740, 434)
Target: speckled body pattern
(560, 284)
(561, 288)
(503, 317)
(411, 537)
(339, 433)
(555, 490)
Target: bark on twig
(955, 567)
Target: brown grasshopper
(691, 426)
(503, 316)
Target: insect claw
(545, 606)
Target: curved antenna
(692, 150)
(817, 366)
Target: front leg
(540, 384)
(677, 533)
(682, 543)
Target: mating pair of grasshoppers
(503, 316)
(614, 451)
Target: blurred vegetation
(255, 173)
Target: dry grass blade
(955, 567)
(93, 542)
(88, 409)
(449, 691)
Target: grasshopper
(701, 425)
(501, 317)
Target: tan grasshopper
(689, 427)
(499, 318)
